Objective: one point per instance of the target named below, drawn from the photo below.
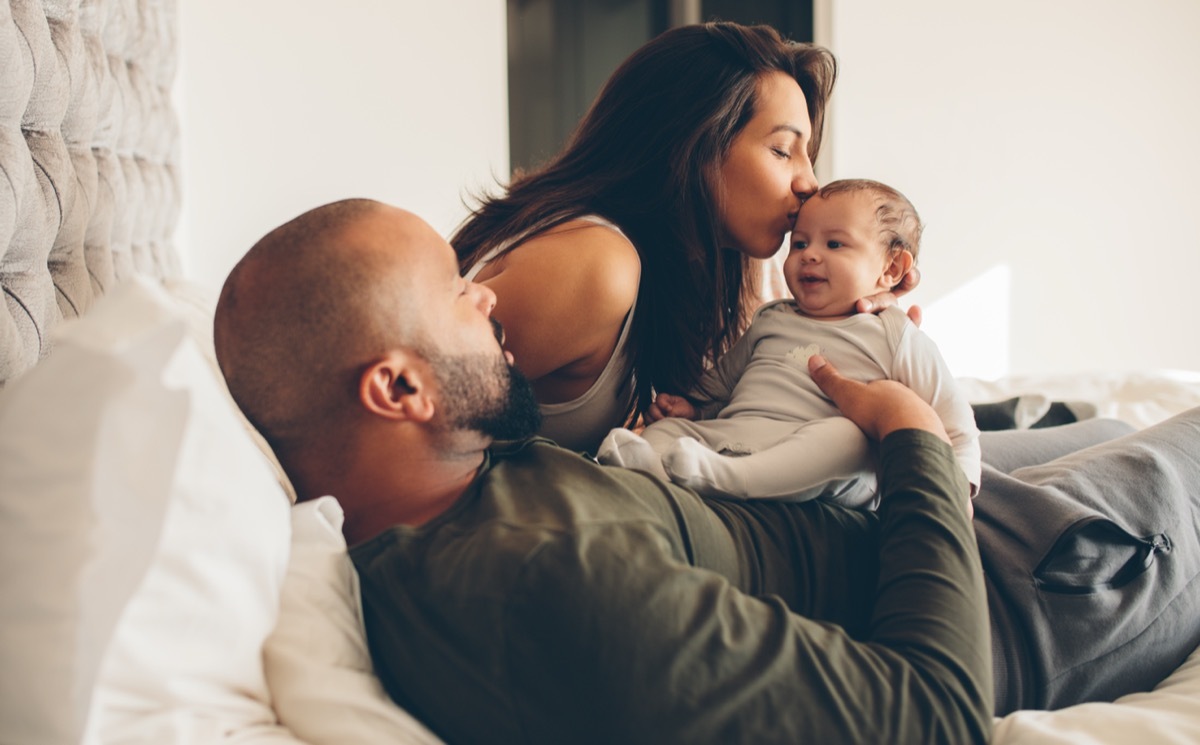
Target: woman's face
(767, 173)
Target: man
(515, 591)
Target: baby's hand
(668, 404)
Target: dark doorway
(561, 51)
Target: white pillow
(318, 667)
(1170, 714)
(196, 304)
(143, 540)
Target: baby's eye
(799, 245)
(834, 244)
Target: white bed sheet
(1141, 398)
(1168, 715)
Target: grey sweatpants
(1091, 559)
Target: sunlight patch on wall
(972, 325)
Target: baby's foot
(626, 449)
(692, 464)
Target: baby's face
(837, 255)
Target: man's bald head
(307, 307)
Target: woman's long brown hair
(645, 156)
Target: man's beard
(483, 393)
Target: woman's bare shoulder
(590, 262)
(563, 297)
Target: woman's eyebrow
(788, 128)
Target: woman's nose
(804, 181)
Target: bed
(157, 582)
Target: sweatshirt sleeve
(613, 638)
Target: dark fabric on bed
(1091, 564)
(1003, 415)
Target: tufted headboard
(89, 159)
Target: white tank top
(582, 423)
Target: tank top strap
(474, 269)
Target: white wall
(1053, 149)
(288, 104)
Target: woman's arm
(562, 297)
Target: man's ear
(898, 265)
(397, 387)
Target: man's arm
(611, 639)
(879, 407)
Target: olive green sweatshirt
(564, 602)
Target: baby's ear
(897, 266)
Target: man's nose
(485, 298)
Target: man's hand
(879, 407)
(668, 404)
(876, 303)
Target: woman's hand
(876, 303)
(879, 407)
(668, 404)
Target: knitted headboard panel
(89, 142)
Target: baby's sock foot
(628, 450)
(692, 464)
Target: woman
(629, 261)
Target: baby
(756, 426)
